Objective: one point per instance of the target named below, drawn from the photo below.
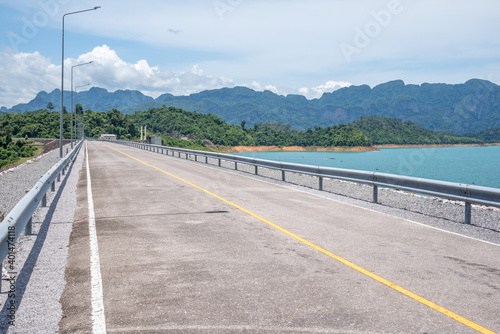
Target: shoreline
(242, 149)
(436, 145)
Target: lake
(470, 165)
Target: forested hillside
(488, 136)
(462, 108)
(172, 121)
(383, 130)
(201, 129)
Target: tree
(78, 108)
(50, 106)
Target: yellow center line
(377, 278)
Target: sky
(285, 46)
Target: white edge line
(98, 318)
(332, 199)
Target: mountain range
(469, 107)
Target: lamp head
(97, 7)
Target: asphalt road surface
(187, 248)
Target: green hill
(174, 121)
(382, 130)
(488, 136)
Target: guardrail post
(58, 177)
(196, 157)
(28, 227)
(53, 186)
(44, 201)
(256, 170)
(321, 183)
(235, 165)
(206, 160)
(63, 170)
(219, 162)
(468, 213)
(375, 193)
(283, 176)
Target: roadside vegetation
(12, 152)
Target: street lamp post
(76, 114)
(72, 67)
(62, 80)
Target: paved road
(186, 248)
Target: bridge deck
(188, 248)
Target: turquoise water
(470, 165)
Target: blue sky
(289, 47)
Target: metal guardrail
(470, 194)
(19, 217)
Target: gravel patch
(40, 260)
(15, 182)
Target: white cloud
(25, 74)
(259, 87)
(318, 91)
(111, 72)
